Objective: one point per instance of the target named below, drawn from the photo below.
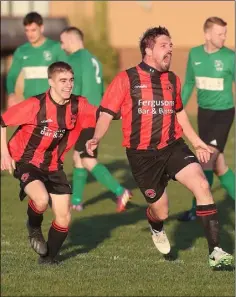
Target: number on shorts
(96, 65)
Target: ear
(207, 34)
(50, 82)
(148, 51)
(42, 29)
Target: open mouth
(167, 58)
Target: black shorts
(55, 182)
(153, 169)
(80, 147)
(214, 126)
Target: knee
(89, 163)
(163, 216)
(159, 215)
(41, 202)
(63, 219)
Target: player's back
(88, 76)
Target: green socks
(79, 180)
(227, 181)
(209, 176)
(102, 175)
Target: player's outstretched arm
(101, 128)
(203, 152)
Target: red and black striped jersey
(47, 130)
(148, 101)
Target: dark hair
(213, 20)
(33, 17)
(59, 67)
(149, 36)
(74, 30)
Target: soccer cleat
(47, 260)
(161, 241)
(187, 216)
(78, 207)
(37, 240)
(220, 259)
(122, 200)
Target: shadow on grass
(186, 233)
(87, 233)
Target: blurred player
(211, 68)
(49, 125)
(33, 58)
(153, 123)
(88, 83)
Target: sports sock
(102, 175)
(209, 218)
(56, 237)
(227, 181)
(35, 216)
(79, 180)
(210, 177)
(155, 224)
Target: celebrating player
(153, 123)
(49, 125)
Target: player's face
(33, 32)
(162, 52)
(62, 83)
(65, 42)
(216, 35)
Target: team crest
(170, 87)
(73, 119)
(150, 193)
(24, 177)
(47, 55)
(219, 65)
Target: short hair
(58, 67)
(33, 17)
(149, 36)
(74, 30)
(213, 20)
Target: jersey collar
(148, 68)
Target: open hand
(203, 151)
(7, 163)
(91, 146)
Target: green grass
(109, 254)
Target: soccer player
(88, 83)
(49, 125)
(153, 123)
(33, 58)
(211, 68)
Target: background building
(126, 20)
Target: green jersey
(88, 76)
(213, 74)
(34, 62)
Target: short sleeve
(115, 94)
